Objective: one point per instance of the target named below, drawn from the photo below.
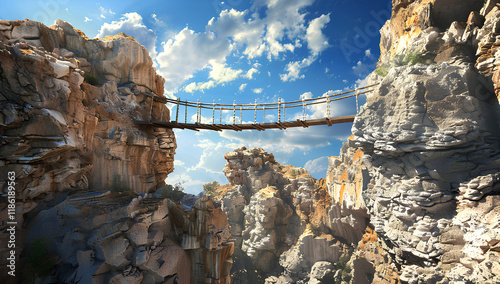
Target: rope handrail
(210, 106)
(324, 100)
(281, 105)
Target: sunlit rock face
(279, 217)
(68, 105)
(61, 133)
(430, 141)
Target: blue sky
(241, 51)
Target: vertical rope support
(284, 118)
(264, 108)
(198, 111)
(220, 115)
(241, 115)
(234, 111)
(255, 118)
(213, 113)
(328, 106)
(357, 104)
(177, 112)
(161, 116)
(279, 110)
(186, 113)
(151, 109)
(303, 110)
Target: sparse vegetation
(39, 262)
(342, 264)
(210, 188)
(90, 79)
(407, 59)
(173, 192)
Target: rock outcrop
(83, 169)
(60, 132)
(414, 193)
(278, 216)
(421, 169)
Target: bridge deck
(258, 126)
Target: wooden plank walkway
(258, 126)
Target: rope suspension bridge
(280, 107)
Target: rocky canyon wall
(413, 196)
(424, 149)
(85, 173)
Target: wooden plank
(234, 127)
(258, 126)
(304, 124)
(328, 122)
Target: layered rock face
(429, 141)
(105, 237)
(61, 132)
(67, 109)
(423, 162)
(278, 216)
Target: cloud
(189, 52)
(286, 143)
(201, 86)
(295, 67)
(250, 72)
(87, 20)
(179, 163)
(316, 40)
(257, 90)
(158, 21)
(280, 30)
(222, 74)
(105, 11)
(337, 108)
(212, 160)
(317, 166)
(132, 25)
(242, 87)
(368, 53)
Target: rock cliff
(413, 196)
(422, 164)
(279, 218)
(85, 172)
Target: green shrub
(39, 262)
(382, 71)
(406, 59)
(210, 188)
(342, 263)
(91, 79)
(174, 193)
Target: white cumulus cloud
(132, 25)
(281, 30)
(189, 52)
(317, 166)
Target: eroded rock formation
(84, 169)
(278, 216)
